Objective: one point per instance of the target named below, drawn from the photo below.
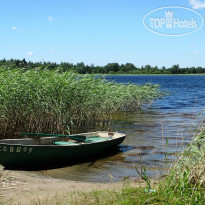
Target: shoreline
(22, 187)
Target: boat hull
(14, 156)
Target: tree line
(110, 68)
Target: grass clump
(56, 102)
(186, 181)
(193, 159)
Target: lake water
(154, 135)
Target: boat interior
(92, 137)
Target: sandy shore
(21, 187)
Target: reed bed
(189, 170)
(185, 183)
(56, 102)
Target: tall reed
(55, 102)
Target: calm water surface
(155, 134)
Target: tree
(112, 67)
(175, 69)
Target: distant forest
(110, 68)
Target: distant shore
(146, 74)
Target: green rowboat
(49, 149)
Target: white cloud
(30, 53)
(50, 18)
(196, 4)
(52, 51)
(15, 29)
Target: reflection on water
(156, 134)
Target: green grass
(134, 196)
(58, 102)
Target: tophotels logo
(170, 22)
(173, 21)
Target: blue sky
(95, 32)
